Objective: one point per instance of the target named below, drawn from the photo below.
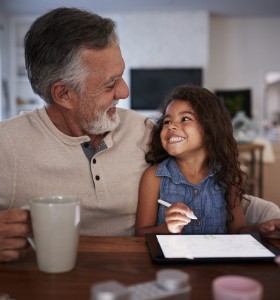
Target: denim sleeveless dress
(206, 200)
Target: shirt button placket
(97, 177)
(197, 223)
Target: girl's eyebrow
(181, 113)
(186, 112)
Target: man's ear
(62, 95)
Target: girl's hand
(175, 217)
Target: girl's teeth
(176, 139)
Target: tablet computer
(172, 248)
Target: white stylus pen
(189, 215)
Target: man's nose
(122, 91)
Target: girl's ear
(62, 95)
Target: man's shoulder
(18, 121)
(21, 126)
(11, 125)
(9, 121)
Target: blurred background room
(231, 47)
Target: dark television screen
(236, 100)
(149, 87)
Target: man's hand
(270, 228)
(14, 228)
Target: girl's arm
(238, 225)
(147, 210)
(146, 216)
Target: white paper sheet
(212, 246)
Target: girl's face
(181, 134)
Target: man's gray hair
(53, 45)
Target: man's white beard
(102, 122)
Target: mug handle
(30, 240)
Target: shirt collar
(169, 168)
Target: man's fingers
(11, 255)
(15, 230)
(14, 227)
(13, 244)
(13, 249)
(14, 215)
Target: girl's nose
(172, 126)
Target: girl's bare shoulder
(150, 171)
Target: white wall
(161, 39)
(242, 50)
(233, 52)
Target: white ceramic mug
(55, 223)
(233, 287)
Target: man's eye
(110, 87)
(112, 83)
(185, 119)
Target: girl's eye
(165, 122)
(185, 119)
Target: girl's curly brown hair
(219, 140)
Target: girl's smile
(181, 133)
(175, 139)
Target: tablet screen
(212, 246)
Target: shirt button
(86, 144)
(94, 161)
(97, 177)
(196, 192)
(197, 222)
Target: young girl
(194, 167)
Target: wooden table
(127, 260)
